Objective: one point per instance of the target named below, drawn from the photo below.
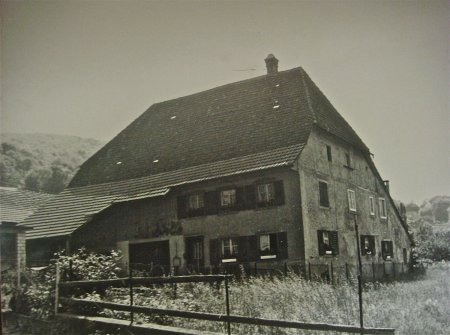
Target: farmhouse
(263, 171)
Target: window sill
(325, 207)
(349, 167)
(266, 257)
(229, 260)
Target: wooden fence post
(373, 271)
(227, 302)
(347, 274)
(57, 287)
(131, 294)
(331, 272)
(309, 270)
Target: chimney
(271, 64)
(386, 183)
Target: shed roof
(76, 205)
(17, 204)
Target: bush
(36, 297)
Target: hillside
(42, 162)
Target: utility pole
(358, 249)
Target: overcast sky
(90, 68)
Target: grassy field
(414, 307)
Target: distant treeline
(41, 162)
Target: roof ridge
(308, 96)
(223, 86)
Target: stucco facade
(314, 166)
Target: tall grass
(415, 307)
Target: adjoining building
(261, 171)
(15, 206)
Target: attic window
(173, 117)
(276, 106)
(156, 161)
(118, 163)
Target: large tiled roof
(75, 206)
(250, 125)
(234, 120)
(16, 204)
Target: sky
(89, 68)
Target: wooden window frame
(329, 154)
(350, 200)
(372, 206)
(367, 244)
(388, 255)
(232, 205)
(271, 198)
(382, 208)
(271, 254)
(332, 247)
(233, 243)
(325, 203)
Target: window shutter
(372, 245)
(214, 251)
(181, 207)
(335, 242)
(242, 249)
(391, 249)
(361, 245)
(240, 198)
(282, 248)
(320, 242)
(211, 202)
(252, 248)
(250, 197)
(279, 192)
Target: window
(387, 250)
(195, 202)
(265, 194)
(228, 198)
(372, 206)
(329, 157)
(348, 161)
(268, 246)
(328, 242)
(382, 205)
(351, 200)
(229, 250)
(323, 194)
(367, 245)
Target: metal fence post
(256, 269)
(373, 271)
(309, 271)
(347, 275)
(227, 302)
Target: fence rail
(227, 318)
